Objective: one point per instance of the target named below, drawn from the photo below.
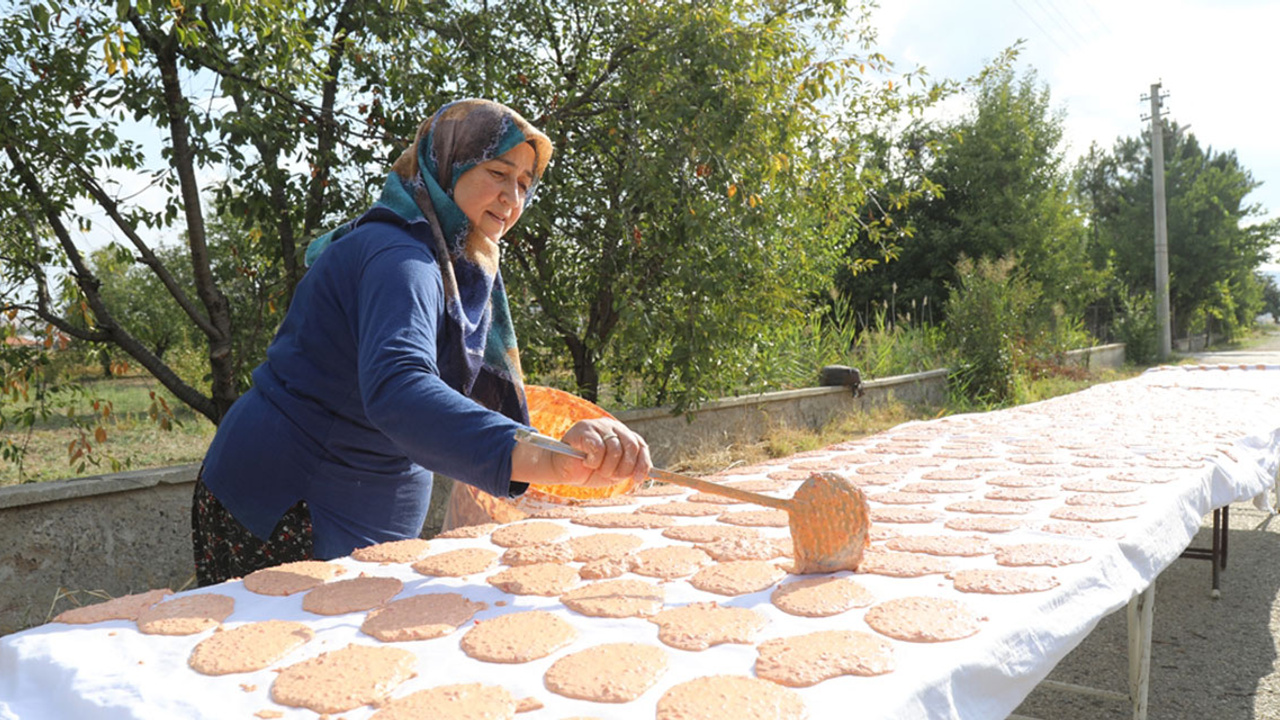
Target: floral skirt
(224, 549)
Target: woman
(397, 359)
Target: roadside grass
(782, 440)
(131, 438)
(134, 440)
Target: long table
(1182, 440)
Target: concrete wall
(63, 540)
(748, 418)
(1101, 356)
(116, 534)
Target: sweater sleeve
(401, 306)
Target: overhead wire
(1045, 32)
(1066, 23)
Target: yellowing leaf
(733, 190)
(100, 434)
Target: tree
(696, 196)
(1270, 297)
(237, 90)
(693, 200)
(998, 187)
(1213, 247)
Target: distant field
(132, 439)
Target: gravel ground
(1211, 659)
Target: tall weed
(1136, 328)
(984, 317)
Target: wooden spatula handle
(717, 489)
(549, 443)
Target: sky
(1216, 60)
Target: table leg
(1216, 553)
(1141, 615)
(1226, 527)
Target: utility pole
(1161, 224)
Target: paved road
(1212, 659)
(1266, 351)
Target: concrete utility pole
(1162, 228)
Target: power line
(1096, 16)
(1067, 23)
(1041, 28)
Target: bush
(984, 327)
(1136, 328)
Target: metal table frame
(1217, 551)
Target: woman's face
(492, 193)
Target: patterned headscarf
(483, 358)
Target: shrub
(984, 327)
(1136, 328)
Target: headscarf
(483, 359)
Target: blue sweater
(351, 411)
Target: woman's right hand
(614, 454)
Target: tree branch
(146, 256)
(327, 129)
(88, 284)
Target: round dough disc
(804, 660)
(185, 615)
(730, 696)
(420, 617)
(821, 596)
(611, 673)
(923, 619)
(615, 599)
(248, 648)
(342, 680)
(472, 701)
(517, 637)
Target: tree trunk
(223, 390)
(104, 360)
(585, 373)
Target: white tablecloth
(1214, 431)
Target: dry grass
(783, 440)
(132, 439)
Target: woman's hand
(614, 454)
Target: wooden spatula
(828, 514)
